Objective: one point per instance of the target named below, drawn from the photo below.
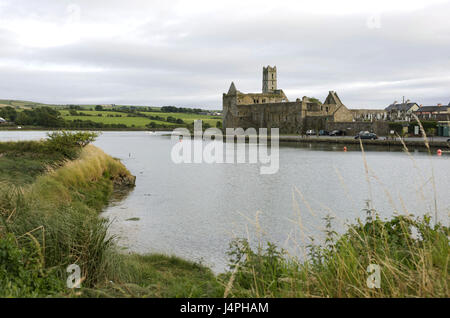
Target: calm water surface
(194, 210)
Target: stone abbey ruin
(272, 109)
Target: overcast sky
(186, 53)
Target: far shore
(434, 142)
(25, 128)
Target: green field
(110, 116)
(188, 118)
(20, 103)
(123, 119)
(139, 121)
(24, 104)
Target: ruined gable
(232, 90)
(332, 99)
(334, 107)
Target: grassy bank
(49, 220)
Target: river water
(195, 210)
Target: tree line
(49, 117)
(41, 116)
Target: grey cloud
(189, 60)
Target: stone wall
(285, 116)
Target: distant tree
(23, 119)
(8, 113)
(174, 109)
(98, 107)
(40, 116)
(171, 119)
(48, 117)
(169, 109)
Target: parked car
(310, 132)
(337, 132)
(323, 133)
(366, 135)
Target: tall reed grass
(412, 254)
(411, 265)
(56, 217)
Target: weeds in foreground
(413, 256)
(54, 221)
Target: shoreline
(418, 142)
(83, 129)
(434, 144)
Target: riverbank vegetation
(50, 223)
(404, 129)
(49, 220)
(412, 256)
(51, 193)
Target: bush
(171, 119)
(397, 127)
(430, 126)
(68, 143)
